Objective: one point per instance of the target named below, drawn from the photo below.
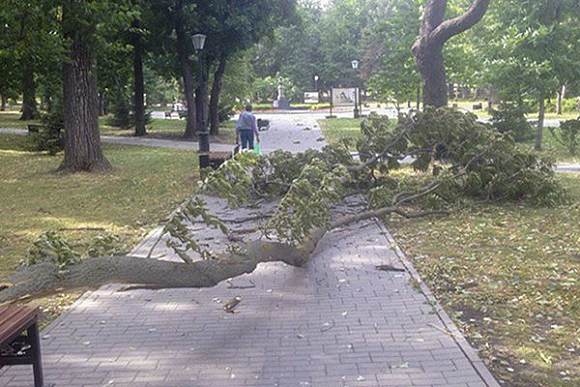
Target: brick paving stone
(335, 322)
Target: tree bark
(29, 108)
(102, 104)
(186, 72)
(541, 115)
(215, 96)
(46, 278)
(561, 96)
(428, 49)
(418, 97)
(82, 151)
(3, 103)
(139, 84)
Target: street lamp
(198, 43)
(316, 78)
(354, 64)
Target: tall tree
(535, 55)
(435, 31)
(138, 80)
(81, 116)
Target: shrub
(121, 113)
(569, 135)
(50, 139)
(511, 118)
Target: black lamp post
(202, 133)
(354, 64)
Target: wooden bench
(216, 159)
(16, 348)
(35, 128)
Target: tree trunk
(29, 109)
(215, 96)
(102, 104)
(418, 97)
(139, 84)
(432, 69)
(541, 116)
(428, 49)
(561, 96)
(186, 73)
(82, 151)
(3, 103)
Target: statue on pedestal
(282, 102)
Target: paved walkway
(336, 322)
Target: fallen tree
(453, 158)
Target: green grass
(159, 127)
(10, 119)
(509, 275)
(551, 147)
(168, 129)
(336, 129)
(143, 188)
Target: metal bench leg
(36, 357)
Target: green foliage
(107, 244)
(55, 247)
(307, 203)
(569, 135)
(469, 158)
(181, 242)
(50, 138)
(121, 111)
(511, 118)
(233, 180)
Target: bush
(50, 139)
(121, 113)
(569, 135)
(511, 118)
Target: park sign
(343, 96)
(311, 97)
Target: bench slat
(15, 318)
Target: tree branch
(449, 28)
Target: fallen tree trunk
(47, 278)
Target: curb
(469, 352)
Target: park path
(336, 322)
(299, 140)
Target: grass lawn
(169, 129)
(550, 146)
(509, 275)
(145, 185)
(159, 127)
(336, 129)
(10, 119)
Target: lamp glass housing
(198, 41)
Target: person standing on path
(246, 128)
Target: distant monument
(282, 102)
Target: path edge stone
(470, 352)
